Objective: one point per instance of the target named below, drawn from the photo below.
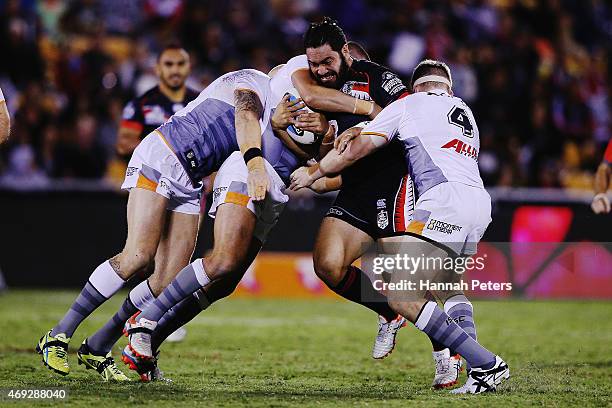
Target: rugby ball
(297, 134)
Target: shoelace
(60, 351)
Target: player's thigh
(146, 213)
(337, 246)
(233, 232)
(175, 248)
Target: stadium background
(536, 73)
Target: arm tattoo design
(247, 100)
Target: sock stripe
(94, 288)
(77, 308)
(459, 341)
(459, 311)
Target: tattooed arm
(249, 109)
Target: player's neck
(177, 95)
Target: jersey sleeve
(385, 86)
(608, 154)
(295, 64)
(387, 122)
(132, 116)
(1, 95)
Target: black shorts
(380, 207)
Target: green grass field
(317, 353)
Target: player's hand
(601, 204)
(258, 180)
(286, 113)
(342, 141)
(313, 122)
(301, 178)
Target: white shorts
(453, 214)
(231, 187)
(155, 167)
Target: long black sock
(357, 287)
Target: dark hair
(430, 67)
(357, 49)
(170, 46)
(327, 31)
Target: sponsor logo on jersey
(191, 159)
(381, 203)
(462, 148)
(130, 171)
(391, 83)
(357, 90)
(382, 219)
(441, 226)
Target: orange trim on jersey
(164, 139)
(608, 153)
(145, 183)
(132, 125)
(374, 134)
(237, 198)
(415, 227)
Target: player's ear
(346, 53)
(158, 69)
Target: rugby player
(601, 202)
(375, 202)
(164, 182)
(5, 120)
(144, 114)
(441, 142)
(141, 116)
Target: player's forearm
(248, 111)
(328, 99)
(602, 178)
(5, 123)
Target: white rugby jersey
(223, 88)
(1, 95)
(439, 134)
(281, 82)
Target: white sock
(200, 273)
(141, 296)
(105, 280)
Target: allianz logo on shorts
(440, 226)
(217, 192)
(166, 187)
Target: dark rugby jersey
(370, 81)
(150, 110)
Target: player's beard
(174, 85)
(340, 76)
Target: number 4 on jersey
(458, 117)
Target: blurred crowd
(536, 73)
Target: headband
(432, 78)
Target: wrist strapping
(252, 153)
